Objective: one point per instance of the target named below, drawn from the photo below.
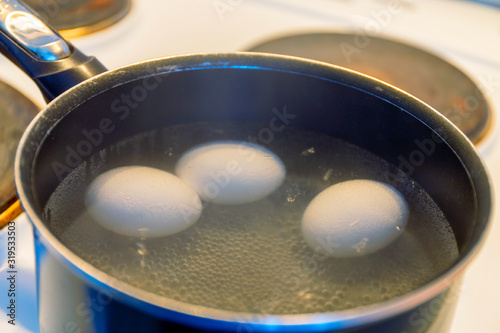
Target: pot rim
(168, 308)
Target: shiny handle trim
(52, 62)
(31, 33)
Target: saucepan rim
(184, 312)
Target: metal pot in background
(74, 295)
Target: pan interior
(249, 95)
(252, 257)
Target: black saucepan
(91, 108)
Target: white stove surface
(466, 34)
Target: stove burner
(74, 18)
(418, 72)
(16, 112)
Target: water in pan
(252, 257)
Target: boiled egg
(139, 201)
(354, 218)
(231, 172)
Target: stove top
(420, 73)
(465, 34)
(75, 18)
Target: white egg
(354, 218)
(139, 201)
(231, 172)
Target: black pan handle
(52, 62)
